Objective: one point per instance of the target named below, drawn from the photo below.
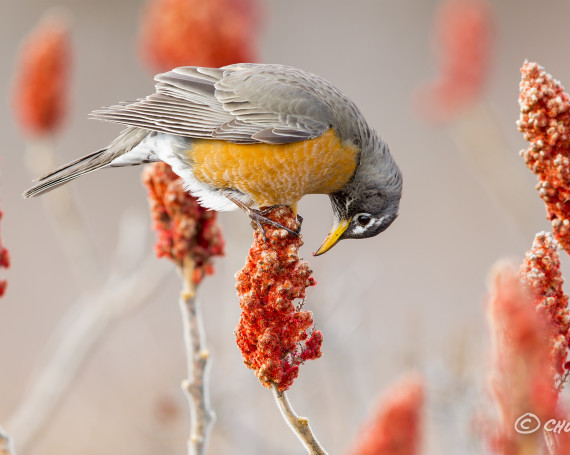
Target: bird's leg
(259, 218)
(297, 216)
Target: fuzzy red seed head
(540, 272)
(274, 334)
(4, 263)
(521, 372)
(184, 228)
(545, 124)
(464, 39)
(210, 33)
(394, 428)
(41, 87)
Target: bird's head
(368, 204)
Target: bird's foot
(259, 218)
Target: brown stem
(196, 385)
(299, 425)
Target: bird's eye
(363, 220)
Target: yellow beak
(333, 237)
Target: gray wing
(244, 103)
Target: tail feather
(70, 165)
(69, 172)
(126, 141)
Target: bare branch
(299, 425)
(196, 386)
(78, 332)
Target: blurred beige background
(411, 298)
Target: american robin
(255, 136)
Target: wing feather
(244, 103)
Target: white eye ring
(363, 219)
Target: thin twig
(551, 443)
(89, 318)
(78, 332)
(196, 386)
(484, 146)
(6, 445)
(63, 213)
(561, 381)
(299, 425)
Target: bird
(255, 136)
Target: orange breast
(276, 174)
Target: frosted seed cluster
(540, 272)
(545, 123)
